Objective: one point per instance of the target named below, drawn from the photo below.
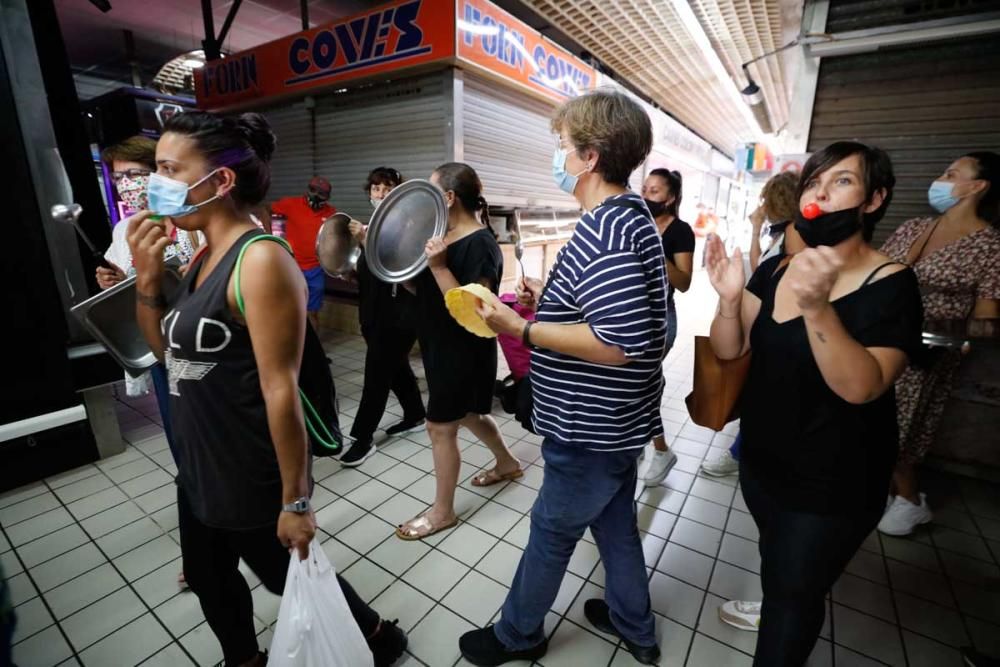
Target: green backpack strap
(313, 422)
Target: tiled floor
(93, 554)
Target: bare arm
(855, 373)
(274, 292)
(275, 298)
(738, 308)
(757, 221)
(680, 269)
(147, 240)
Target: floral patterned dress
(952, 278)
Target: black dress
(461, 367)
(823, 454)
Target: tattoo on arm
(822, 338)
(157, 301)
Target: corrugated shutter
(925, 105)
(508, 141)
(293, 161)
(400, 124)
(861, 14)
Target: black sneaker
(482, 647)
(405, 426)
(360, 451)
(597, 612)
(388, 643)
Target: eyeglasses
(117, 176)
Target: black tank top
(227, 465)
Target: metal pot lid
(407, 218)
(336, 249)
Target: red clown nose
(811, 211)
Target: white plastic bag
(315, 627)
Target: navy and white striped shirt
(611, 276)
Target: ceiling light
(194, 64)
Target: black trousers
(802, 556)
(211, 557)
(387, 368)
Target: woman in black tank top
(244, 467)
(829, 333)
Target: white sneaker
(741, 614)
(659, 467)
(721, 466)
(902, 516)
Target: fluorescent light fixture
(194, 64)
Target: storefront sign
(493, 40)
(398, 35)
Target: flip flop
(491, 477)
(420, 527)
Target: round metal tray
(407, 218)
(336, 249)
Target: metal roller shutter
(508, 141)
(293, 160)
(400, 124)
(925, 105)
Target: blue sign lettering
(496, 38)
(558, 73)
(363, 42)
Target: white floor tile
(675, 599)
(337, 516)
(371, 494)
(436, 574)
(404, 602)
(26, 509)
(131, 536)
(112, 519)
(501, 562)
(476, 598)
(701, 538)
(517, 497)
(710, 624)
(867, 635)
(83, 488)
(655, 521)
(467, 544)
(32, 617)
(146, 483)
(733, 583)
(172, 656)
(495, 519)
(744, 553)
(52, 545)
(59, 570)
(368, 579)
(706, 651)
(181, 613)
(130, 645)
(103, 617)
(399, 509)
(84, 590)
(159, 585)
(366, 533)
(585, 557)
(572, 646)
(203, 645)
(687, 565)
(742, 525)
(44, 649)
(148, 557)
(435, 639)
(398, 556)
(674, 640)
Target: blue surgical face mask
(939, 196)
(565, 180)
(168, 197)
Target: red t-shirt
(302, 227)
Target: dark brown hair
(383, 176)
(674, 184)
(463, 180)
(134, 149)
(613, 125)
(988, 169)
(876, 173)
(242, 143)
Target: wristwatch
(298, 506)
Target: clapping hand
(725, 273)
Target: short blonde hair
(780, 202)
(612, 124)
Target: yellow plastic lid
(462, 302)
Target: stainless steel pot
(110, 319)
(337, 250)
(404, 221)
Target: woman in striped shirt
(599, 341)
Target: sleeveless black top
(227, 465)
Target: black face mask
(656, 208)
(315, 201)
(829, 229)
(777, 228)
